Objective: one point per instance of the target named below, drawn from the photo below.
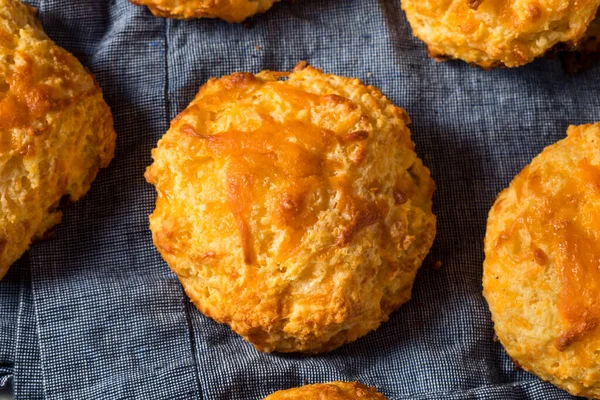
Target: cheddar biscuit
(541, 276)
(228, 10)
(493, 33)
(292, 206)
(329, 391)
(56, 131)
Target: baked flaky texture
(329, 391)
(541, 277)
(56, 131)
(292, 207)
(492, 33)
(228, 10)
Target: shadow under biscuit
(587, 53)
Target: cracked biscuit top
(292, 207)
(541, 272)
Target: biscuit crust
(492, 33)
(541, 276)
(228, 10)
(329, 391)
(292, 207)
(56, 131)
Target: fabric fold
(27, 371)
(6, 375)
(9, 307)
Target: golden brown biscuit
(56, 131)
(228, 10)
(329, 391)
(491, 33)
(541, 275)
(292, 207)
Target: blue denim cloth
(96, 314)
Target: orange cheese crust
(292, 207)
(590, 43)
(541, 273)
(492, 33)
(228, 10)
(329, 391)
(56, 131)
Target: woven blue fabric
(9, 306)
(27, 375)
(96, 313)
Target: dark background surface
(96, 313)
